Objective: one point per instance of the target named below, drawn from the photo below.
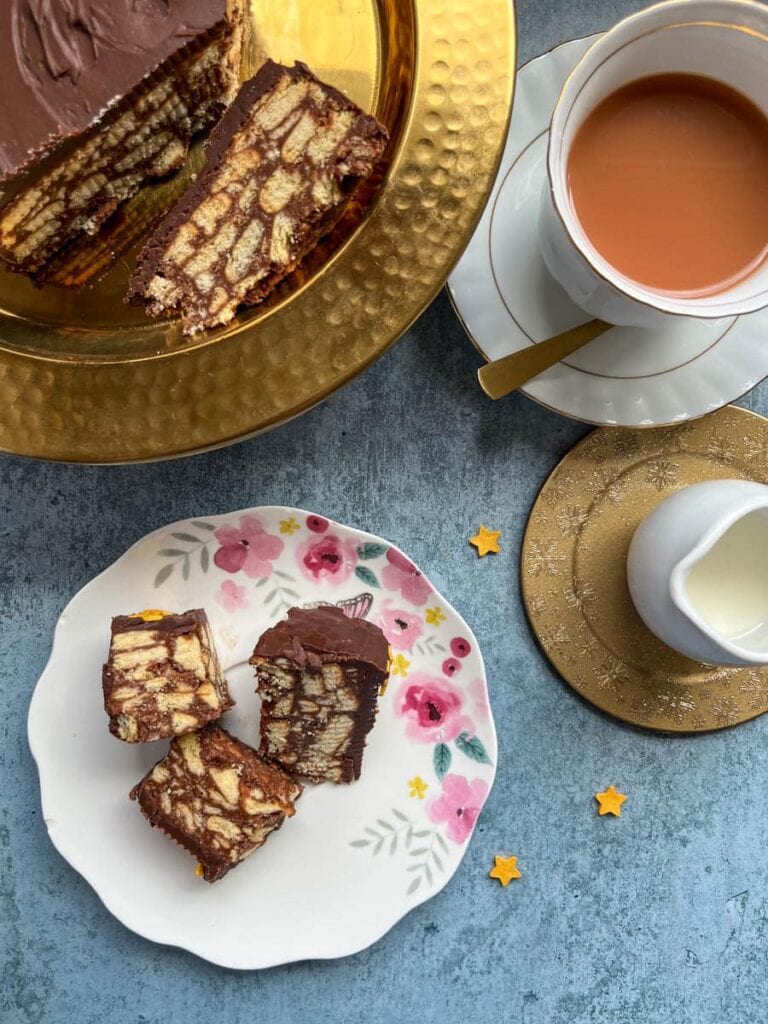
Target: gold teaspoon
(510, 373)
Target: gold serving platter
(85, 378)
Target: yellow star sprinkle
(434, 616)
(199, 870)
(610, 801)
(417, 787)
(289, 526)
(505, 869)
(399, 666)
(152, 614)
(486, 541)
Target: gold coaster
(574, 571)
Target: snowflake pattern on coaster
(574, 576)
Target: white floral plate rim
(506, 300)
(354, 860)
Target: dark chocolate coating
(173, 625)
(313, 636)
(62, 62)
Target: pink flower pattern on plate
(327, 558)
(479, 695)
(433, 709)
(402, 575)
(247, 547)
(458, 806)
(400, 627)
(232, 597)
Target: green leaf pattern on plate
(183, 556)
(367, 576)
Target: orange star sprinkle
(610, 801)
(505, 869)
(486, 541)
(152, 614)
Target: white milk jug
(698, 572)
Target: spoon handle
(507, 374)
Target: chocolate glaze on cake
(314, 636)
(110, 142)
(64, 61)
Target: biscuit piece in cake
(162, 677)
(319, 674)
(280, 165)
(99, 98)
(217, 798)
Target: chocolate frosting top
(327, 634)
(63, 61)
(175, 623)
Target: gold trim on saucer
(573, 571)
(84, 378)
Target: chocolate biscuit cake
(280, 165)
(96, 99)
(162, 677)
(319, 674)
(217, 798)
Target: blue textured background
(661, 916)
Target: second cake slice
(319, 674)
(280, 164)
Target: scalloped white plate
(354, 859)
(506, 299)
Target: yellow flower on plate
(434, 616)
(417, 787)
(289, 526)
(399, 666)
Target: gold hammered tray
(85, 378)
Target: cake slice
(162, 677)
(318, 674)
(96, 99)
(217, 798)
(280, 164)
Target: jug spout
(698, 572)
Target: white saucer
(506, 299)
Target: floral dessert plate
(507, 300)
(355, 858)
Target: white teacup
(723, 39)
